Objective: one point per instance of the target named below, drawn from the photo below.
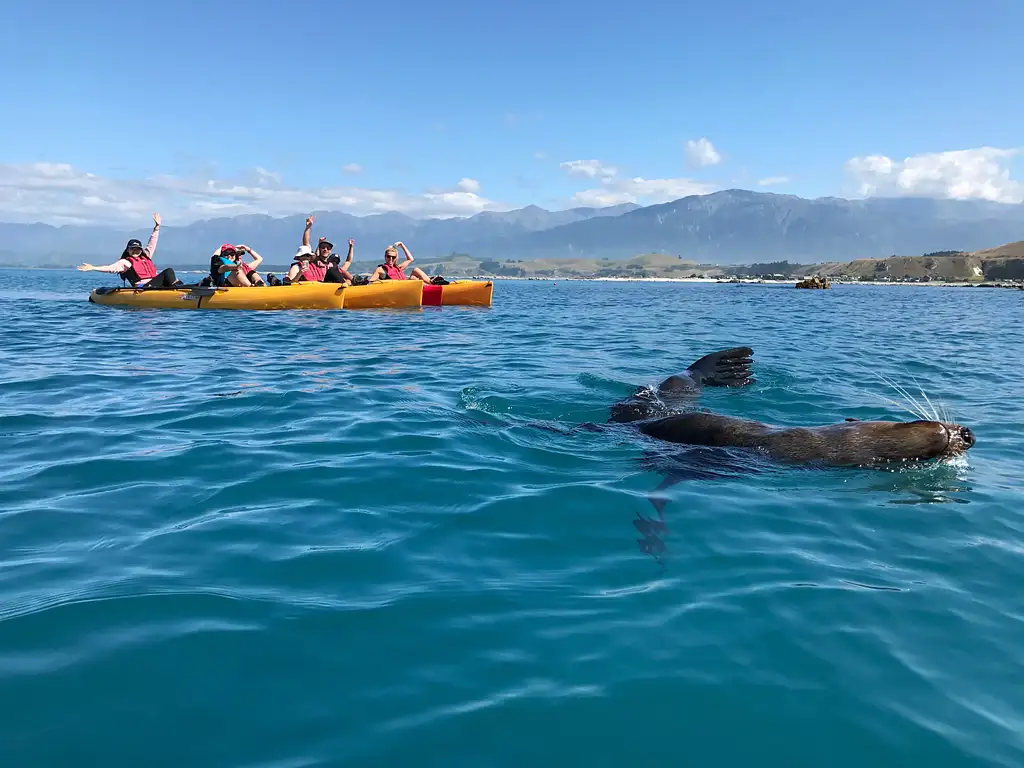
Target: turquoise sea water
(369, 538)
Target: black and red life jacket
(142, 268)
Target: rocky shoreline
(749, 281)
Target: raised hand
(309, 221)
(156, 219)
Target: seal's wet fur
(850, 443)
(712, 438)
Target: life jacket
(215, 274)
(392, 272)
(314, 271)
(141, 268)
(219, 278)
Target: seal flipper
(659, 502)
(725, 368)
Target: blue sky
(113, 108)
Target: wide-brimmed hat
(304, 250)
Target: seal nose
(967, 436)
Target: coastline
(794, 281)
(191, 269)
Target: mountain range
(729, 227)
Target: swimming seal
(713, 440)
(848, 444)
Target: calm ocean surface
(369, 538)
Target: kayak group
(227, 268)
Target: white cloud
(614, 190)
(539, 155)
(589, 168)
(642, 191)
(262, 175)
(352, 168)
(701, 152)
(59, 193)
(773, 180)
(959, 174)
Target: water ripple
(298, 539)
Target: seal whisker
(923, 394)
(912, 407)
(919, 411)
(883, 398)
(898, 404)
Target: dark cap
(133, 243)
(324, 241)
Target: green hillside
(1003, 263)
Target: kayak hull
(271, 297)
(384, 294)
(464, 293)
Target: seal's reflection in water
(912, 483)
(691, 463)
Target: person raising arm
(335, 259)
(249, 270)
(321, 265)
(392, 270)
(235, 272)
(136, 264)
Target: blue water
(370, 538)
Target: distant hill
(1004, 262)
(729, 227)
(644, 265)
(738, 226)
(950, 266)
(1008, 251)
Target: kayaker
(320, 266)
(227, 267)
(392, 270)
(136, 264)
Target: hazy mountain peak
(728, 226)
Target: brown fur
(857, 443)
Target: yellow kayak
(384, 293)
(465, 293)
(392, 294)
(298, 296)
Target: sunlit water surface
(372, 538)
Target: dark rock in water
(815, 281)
